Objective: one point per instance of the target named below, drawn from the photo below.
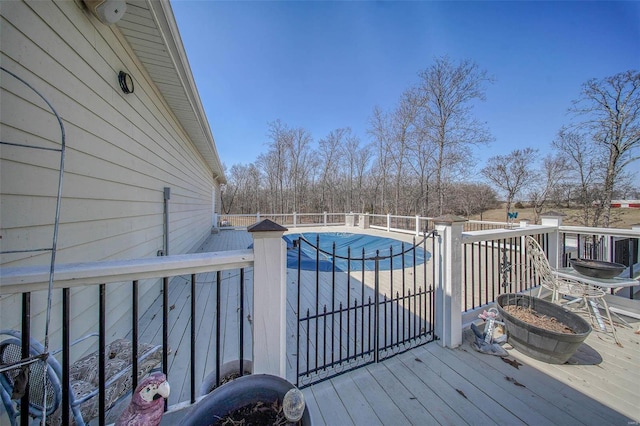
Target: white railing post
(363, 221)
(257, 217)
(269, 298)
(417, 224)
(388, 222)
(448, 280)
(324, 215)
(555, 253)
(349, 220)
(295, 219)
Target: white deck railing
(268, 258)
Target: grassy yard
(621, 218)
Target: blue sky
(325, 65)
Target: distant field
(621, 218)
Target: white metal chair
(559, 286)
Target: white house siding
(122, 150)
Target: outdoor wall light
(126, 82)
(107, 11)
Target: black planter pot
(538, 343)
(227, 370)
(236, 394)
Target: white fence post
(448, 280)
(295, 219)
(554, 255)
(363, 221)
(417, 224)
(269, 298)
(388, 222)
(324, 214)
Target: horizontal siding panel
(121, 151)
(123, 110)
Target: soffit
(150, 28)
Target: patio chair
(559, 286)
(83, 375)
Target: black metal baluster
(433, 270)
(26, 340)
(404, 308)
(493, 271)
(348, 298)
(324, 337)
(631, 261)
(102, 326)
(384, 344)
(414, 285)
(308, 345)
(363, 302)
(66, 362)
(420, 311)
(391, 289)
(376, 313)
(424, 282)
(317, 292)
(333, 299)
(218, 324)
(165, 326)
(369, 331)
(409, 301)
(340, 325)
(578, 245)
(397, 317)
(134, 334)
(298, 313)
(473, 278)
(241, 323)
(355, 328)
(486, 274)
(193, 338)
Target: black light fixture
(126, 82)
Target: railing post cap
(449, 219)
(266, 225)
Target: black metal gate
(353, 311)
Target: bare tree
(609, 110)
(401, 131)
(472, 198)
(554, 171)
(511, 172)
(447, 92)
(329, 149)
(299, 141)
(356, 160)
(362, 159)
(583, 162)
(380, 132)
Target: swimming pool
(357, 242)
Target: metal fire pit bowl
(597, 268)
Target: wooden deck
(427, 385)
(433, 385)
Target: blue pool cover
(357, 242)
